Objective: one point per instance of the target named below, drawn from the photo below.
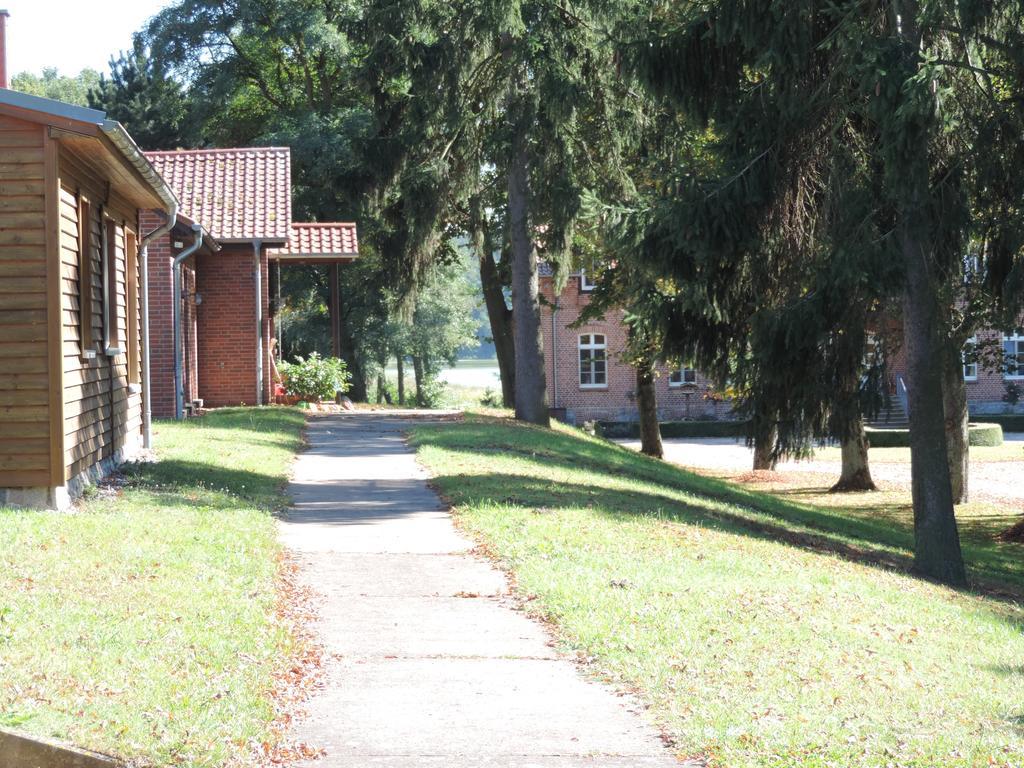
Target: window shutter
(111, 328)
(131, 270)
(85, 304)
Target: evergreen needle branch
(738, 176)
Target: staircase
(893, 417)
(894, 414)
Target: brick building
(986, 376)
(587, 377)
(235, 225)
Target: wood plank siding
(101, 415)
(25, 405)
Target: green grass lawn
(143, 623)
(729, 612)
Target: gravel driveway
(998, 481)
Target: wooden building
(72, 184)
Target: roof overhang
(104, 142)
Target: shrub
(977, 434)
(1010, 422)
(985, 434)
(1012, 396)
(490, 399)
(314, 378)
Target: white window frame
(1018, 339)
(972, 343)
(586, 284)
(592, 345)
(683, 381)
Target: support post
(334, 307)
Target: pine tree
(142, 96)
(882, 77)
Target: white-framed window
(1013, 355)
(681, 376)
(593, 361)
(970, 358)
(586, 284)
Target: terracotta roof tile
(237, 194)
(309, 241)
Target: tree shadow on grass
(875, 540)
(183, 477)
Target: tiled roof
(309, 241)
(237, 194)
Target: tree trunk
(957, 422)
(358, 388)
(764, 447)
(855, 474)
(417, 373)
(936, 540)
(500, 317)
(530, 382)
(382, 388)
(937, 552)
(650, 431)
(401, 378)
(498, 313)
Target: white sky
(71, 34)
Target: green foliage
(981, 434)
(140, 94)
(490, 398)
(1011, 396)
(990, 435)
(315, 378)
(53, 85)
(444, 320)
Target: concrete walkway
(428, 664)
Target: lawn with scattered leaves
(143, 622)
(731, 612)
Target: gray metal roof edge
(51, 106)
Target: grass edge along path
(145, 623)
(750, 650)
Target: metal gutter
(114, 131)
(257, 246)
(147, 406)
(179, 387)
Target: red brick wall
(227, 327)
(161, 322)
(985, 393)
(617, 401)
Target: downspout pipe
(257, 247)
(554, 354)
(179, 387)
(147, 409)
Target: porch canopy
(319, 243)
(331, 243)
